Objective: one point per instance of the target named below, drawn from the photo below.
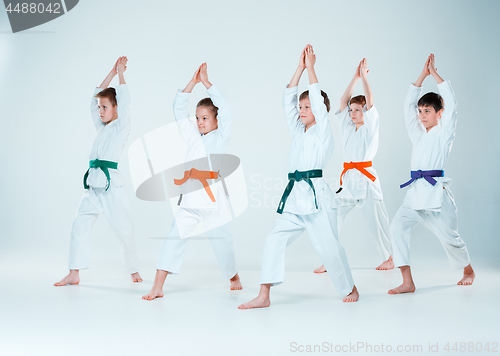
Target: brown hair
(109, 93)
(208, 103)
(305, 95)
(431, 99)
(360, 99)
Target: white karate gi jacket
(430, 149)
(199, 146)
(110, 140)
(310, 150)
(359, 146)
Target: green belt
(298, 176)
(103, 165)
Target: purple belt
(424, 174)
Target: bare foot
(468, 278)
(258, 302)
(73, 277)
(321, 269)
(157, 288)
(153, 293)
(236, 283)
(261, 301)
(386, 265)
(352, 297)
(136, 277)
(406, 287)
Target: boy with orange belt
(209, 135)
(431, 124)
(360, 186)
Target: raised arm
(363, 71)
(449, 114)
(186, 127)
(192, 83)
(425, 73)
(121, 67)
(204, 76)
(290, 98)
(432, 69)
(224, 110)
(300, 69)
(318, 106)
(122, 96)
(310, 62)
(94, 110)
(105, 83)
(344, 100)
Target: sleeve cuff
(181, 93)
(211, 89)
(372, 109)
(343, 112)
(446, 84)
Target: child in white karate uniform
(209, 206)
(105, 192)
(431, 125)
(307, 201)
(360, 185)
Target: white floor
(105, 314)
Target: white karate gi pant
(322, 229)
(174, 247)
(443, 224)
(376, 218)
(114, 204)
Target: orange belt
(360, 166)
(202, 176)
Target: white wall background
(47, 76)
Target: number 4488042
(471, 347)
(34, 8)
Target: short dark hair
(360, 99)
(109, 93)
(305, 95)
(432, 99)
(208, 103)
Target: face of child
(205, 120)
(107, 112)
(356, 114)
(428, 116)
(306, 115)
